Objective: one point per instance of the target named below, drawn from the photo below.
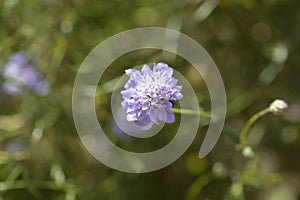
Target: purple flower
(19, 75)
(149, 95)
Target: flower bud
(278, 106)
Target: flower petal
(127, 93)
(146, 70)
(162, 115)
(152, 115)
(146, 105)
(178, 95)
(170, 116)
(131, 117)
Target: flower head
(149, 95)
(19, 74)
(278, 106)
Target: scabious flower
(149, 95)
(19, 75)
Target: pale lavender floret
(30, 76)
(19, 58)
(11, 89)
(42, 88)
(149, 95)
(18, 75)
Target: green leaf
(233, 136)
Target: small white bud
(248, 152)
(278, 106)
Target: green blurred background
(255, 44)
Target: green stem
(191, 112)
(250, 122)
(50, 185)
(197, 186)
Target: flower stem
(49, 185)
(191, 112)
(250, 122)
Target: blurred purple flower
(149, 95)
(19, 58)
(19, 75)
(11, 89)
